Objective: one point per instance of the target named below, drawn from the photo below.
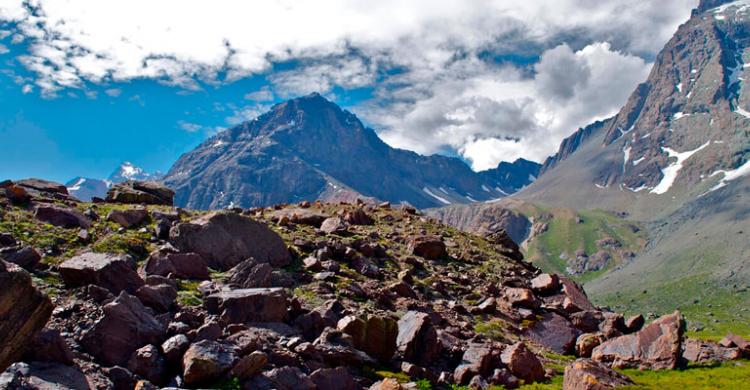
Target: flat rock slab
(248, 305)
(554, 332)
(61, 216)
(115, 272)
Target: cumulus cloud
(439, 70)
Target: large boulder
(129, 217)
(429, 247)
(586, 374)
(24, 256)
(115, 272)
(373, 335)
(224, 239)
(182, 265)
(554, 332)
(656, 346)
(24, 311)
(523, 363)
(475, 361)
(125, 326)
(250, 274)
(61, 216)
(205, 361)
(46, 376)
(140, 192)
(334, 379)
(708, 352)
(417, 338)
(290, 378)
(248, 305)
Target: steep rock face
(308, 148)
(511, 177)
(571, 144)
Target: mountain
(671, 166)
(309, 148)
(85, 188)
(127, 171)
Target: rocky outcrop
(140, 192)
(225, 239)
(586, 374)
(655, 347)
(24, 311)
(417, 338)
(61, 216)
(248, 305)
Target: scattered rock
(160, 297)
(290, 378)
(417, 339)
(475, 361)
(149, 363)
(24, 256)
(586, 374)
(376, 336)
(554, 332)
(115, 272)
(708, 352)
(333, 379)
(174, 347)
(249, 365)
(334, 225)
(248, 305)
(545, 283)
(250, 274)
(224, 239)
(182, 265)
(49, 346)
(429, 247)
(24, 311)
(522, 363)
(357, 217)
(205, 361)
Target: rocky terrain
(86, 188)
(131, 292)
(310, 149)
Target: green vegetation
(732, 375)
(188, 294)
(569, 231)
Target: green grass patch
(732, 375)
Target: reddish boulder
(429, 247)
(140, 192)
(523, 297)
(61, 216)
(125, 326)
(545, 283)
(149, 363)
(417, 338)
(224, 239)
(174, 347)
(290, 378)
(23, 256)
(554, 332)
(249, 365)
(333, 379)
(376, 336)
(586, 343)
(160, 297)
(656, 346)
(181, 265)
(49, 346)
(357, 217)
(24, 311)
(129, 217)
(475, 361)
(250, 274)
(248, 305)
(522, 363)
(586, 374)
(333, 225)
(115, 272)
(634, 323)
(708, 352)
(206, 361)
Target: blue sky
(85, 85)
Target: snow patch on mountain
(671, 171)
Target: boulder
(374, 335)
(576, 295)
(522, 363)
(250, 274)
(182, 265)
(115, 272)
(7, 240)
(248, 305)
(655, 347)
(224, 239)
(249, 365)
(732, 340)
(174, 347)
(49, 346)
(45, 376)
(160, 297)
(545, 283)
(290, 378)
(129, 217)
(24, 311)
(124, 326)
(387, 384)
(586, 374)
(61, 216)
(24, 256)
(337, 378)
(149, 363)
(708, 352)
(476, 360)
(333, 225)
(523, 297)
(206, 361)
(554, 332)
(417, 338)
(634, 323)
(299, 216)
(357, 217)
(140, 192)
(586, 343)
(429, 247)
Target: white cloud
(427, 60)
(189, 127)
